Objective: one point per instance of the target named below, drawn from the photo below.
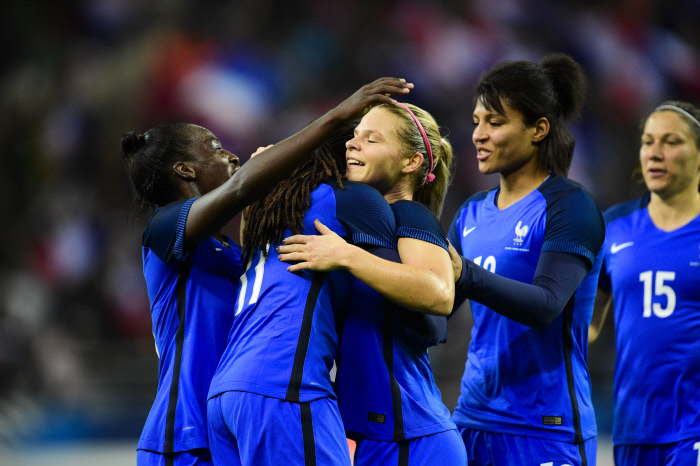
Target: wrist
(347, 256)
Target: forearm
(412, 287)
(260, 174)
(535, 304)
(255, 179)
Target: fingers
(297, 267)
(321, 228)
(296, 239)
(292, 257)
(391, 86)
(260, 149)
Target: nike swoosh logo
(616, 247)
(466, 232)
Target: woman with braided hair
(271, 395)
(191, 269)
(388, 399)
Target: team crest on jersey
(520, 231)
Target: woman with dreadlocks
(388, 399)
(271, 395)
(191, 269)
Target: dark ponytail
(554, 89)
(149, 159)
(131, 143)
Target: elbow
(543, 320)
(445, 307)
(439, 304)
(444, 302)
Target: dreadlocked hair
(284, 208)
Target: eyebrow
(370, 131)
(665, 134)
(491, 113)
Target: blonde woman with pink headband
(388, 399)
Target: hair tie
(430, 177)
(679, 110)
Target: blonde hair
(431, 194)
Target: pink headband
(430, 176)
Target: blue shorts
(198, 457)
(249, 429)
(507, 450)
(685, 452)
(442, 448)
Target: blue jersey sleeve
(604, 282)
(573, 237)
(421, 329)
(415, 220)
(617, 211)
(165, 231)
(575, 223)
(365, 215)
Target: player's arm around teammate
(198, 186)
(383, 155)
(525, 254)
(386, 392)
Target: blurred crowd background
(77, 358)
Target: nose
(479, 135)
(652, 151)
(351, 144)
(233, 159)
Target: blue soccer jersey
(654, 276)
(192, 294)
(284, 340)
(520, 380)
(384, 381)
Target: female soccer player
(387, 396)
(192, 270)
(651, 275)
(529, 264)
(271, 395)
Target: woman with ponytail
(527, 256)
(191, 269)
(388, 399)
(650, 281)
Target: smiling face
(374, 154)
(669, 155)
(504, 144)
(214, 164)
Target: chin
(354, 177)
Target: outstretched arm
(423, 282)
(253, 180)
(535, 304)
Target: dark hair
(284, 208)
(688, 107)
(554, 89)
(149, 157)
